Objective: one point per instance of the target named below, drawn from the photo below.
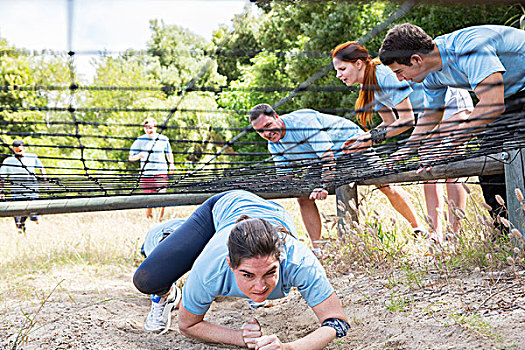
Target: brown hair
(252, 238)
(352, 51)
(403, 41)
(261, 108)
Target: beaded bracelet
(378, 135)
(340, 326)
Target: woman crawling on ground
(240, 245)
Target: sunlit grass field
(383, 239)
(105, 247)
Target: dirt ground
(98, 308)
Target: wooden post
(345, 194)
(514, 170)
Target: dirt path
(98, 308)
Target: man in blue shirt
(486, 59)
(308, 135)
(19, 172)
(152, 149)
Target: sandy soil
(98, 308)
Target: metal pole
(514, 170)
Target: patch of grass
(414, 278)
(398, 303)
(384, 241)
(29, 322)
(475, 323)
(392, 281)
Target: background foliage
(269, 51)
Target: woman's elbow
(186, 329)
(502, 109)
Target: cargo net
(82, 135)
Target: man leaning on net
(309, 138)
(488, 60)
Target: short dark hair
(261, 108)
(252, 238)
(403, 41)
(18, 143)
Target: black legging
(175, 255)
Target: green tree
(236, 47)
(182, 57)
(267, 70)
(300, 34)
(30, 82)
(153, 84)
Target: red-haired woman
(397, 103)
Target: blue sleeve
(310, 278)
(434, 96)
(478, 59)
(378, 106)
(392, 92)
(38, 163)
(319, 140)
(196, 298)
(135, 148)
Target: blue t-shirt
(211, 276)
(471, 54)
(311, 134)
(393, 92)
(159, 146)
(158, 232)
(20, 175)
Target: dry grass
(383, 241)
(107, 239)
(105, 246)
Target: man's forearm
(481, 117)
(397, 128)
(134, 157)
(170, 159)
(428, 122)
(328, 172)
(490, 93)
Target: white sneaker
(159, 317)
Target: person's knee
(141, 280)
